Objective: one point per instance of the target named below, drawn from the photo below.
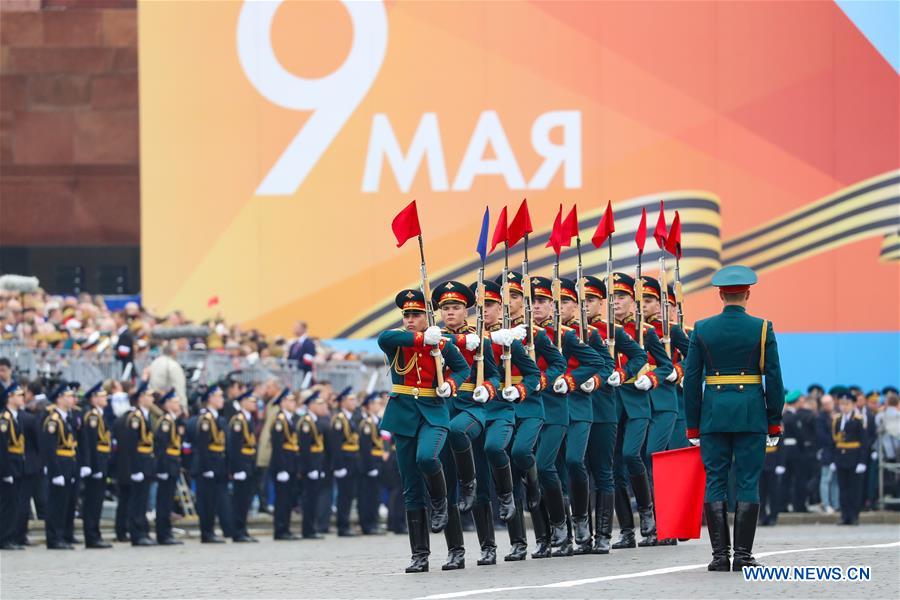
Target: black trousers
(242, 496)
(310, 504)
(30, 486)
(55, 514)
(368, 502)
(284, 503)
(92, 508)
(9, 506)
(138, 526)
(224, 508)
(800, 468)
(769, 497)
(165, 501)
(207, 501)
(123, 492)
(346, 491)
(323, 508)
(69, 532)
(850, 485)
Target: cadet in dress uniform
(848, 432)
(681, 341)
(283, 467)
(311, 461)
(602, 440)
(634, 406)
(772, 478)
(491, 458)
(735, 416)
(581, 417)
(345, 464)
(136, 451)
(240, 452)
(58, 448)
(371, 456)
(12, 466)
(418, 416)
(167, 443)
(95, 444)
(208, 464)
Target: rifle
(479, 327)
(664, 302)
(529, 315)
(429, 314)
(506, 357)
(579, 287)
(557, 334)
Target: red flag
(640, 235)
(212, 301)
(556, 236)
(521, 225)
(605, 227)
(679, 484)
(406, 224)
(660, 232)
(673, 242)
(570, 225)
(499, 231)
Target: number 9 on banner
(332, 98)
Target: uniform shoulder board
(50, 425)
(338, 424)
(366, 429)
(164, 425)
(236, 424)
(4, 424)
(304, 427)
(204, 424)
(134, 421)
(279, 424)
(92, 420)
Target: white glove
(372, 473)
(444, 390)
(58, 480)
(519, 332)
(833, 467)
(472, 342)
(672, 377)
(874, 454)
(433, 335)
(643, 383)
(97, 476)
(502, 337)
(588, 386)
(209, 474)
(312, 475)
(84, 472)
(694, 441)
(860, 469)
(137, 477)
(481, 394)
(8, 479)
(779, 470)
(560, 386)
(772, 440)
(240, 476)
(511, 393)
(162, 476)
(282, 476)
(614, 380)
(340, 473)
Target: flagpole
(429, 314)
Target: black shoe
(214, 539)
(453, 534)
(346, 533)
(542, 549)
(557, 508)
(603, 516)
(640, 484)
(169, 541)
(123, 538)
(667, 542)
(717, 525)
(625, 517)
(11, 546)
(517, 536)
(437, 490)
(243, 539)
(319, 536)
(532, 488)
(144, 541)
(518, 551)
(484, 525)
(465, 467)
(25, 541)
(417, 525)
(504, 485)
(745, 517)
(564, 549)
(488, 556)
(98, 544)
(74, 541)
(540, 523)
(626, 540)
(60, 546)
(287, 537)
(456, 559)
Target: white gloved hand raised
(643, 383)
(282, 476)
(444, 390)
(502, 337)
(240, 476)
(433, 335)
(519, 332)
(560, 386)
(481, 394)
(472, 342)
(672, 377)
(588, 386)
(511, 393)
(614, 380)
(84, 472)
(779, 470)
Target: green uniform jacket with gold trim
(604, 398)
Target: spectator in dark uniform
(848, 432)
(828, 485)
(302, 349)
(124, 345)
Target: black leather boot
(626, 520)
(517, 538)
(567, 548)
(419, 542)
(717, 525)
(437, 490)
(540, 520)
(556, 507)
(603, 525)
(504, 485)
(644, 498)
(465, 467)
(532, 488)
(745, 517)
(484, 525)
(456, 551)
(580, 520)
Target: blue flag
(483, 238)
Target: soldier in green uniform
(529, 423)
(681, 341)
(581, 416)
(633, 404)
(418, 416)
(602, 440)
(734, 417)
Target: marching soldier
(681, 341)
(345, 464)
(602, 441)
(136, 451)
(58, 447)
(208, 464)
(283, 466)
(311, 461)
(240, 451)
(167, 443)
(735, 417)
(96, 443)
(848, 432)
(371, 456)
(418, 416)
(581, 416)
(12, 465)
(633, 404)
(525, 380)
